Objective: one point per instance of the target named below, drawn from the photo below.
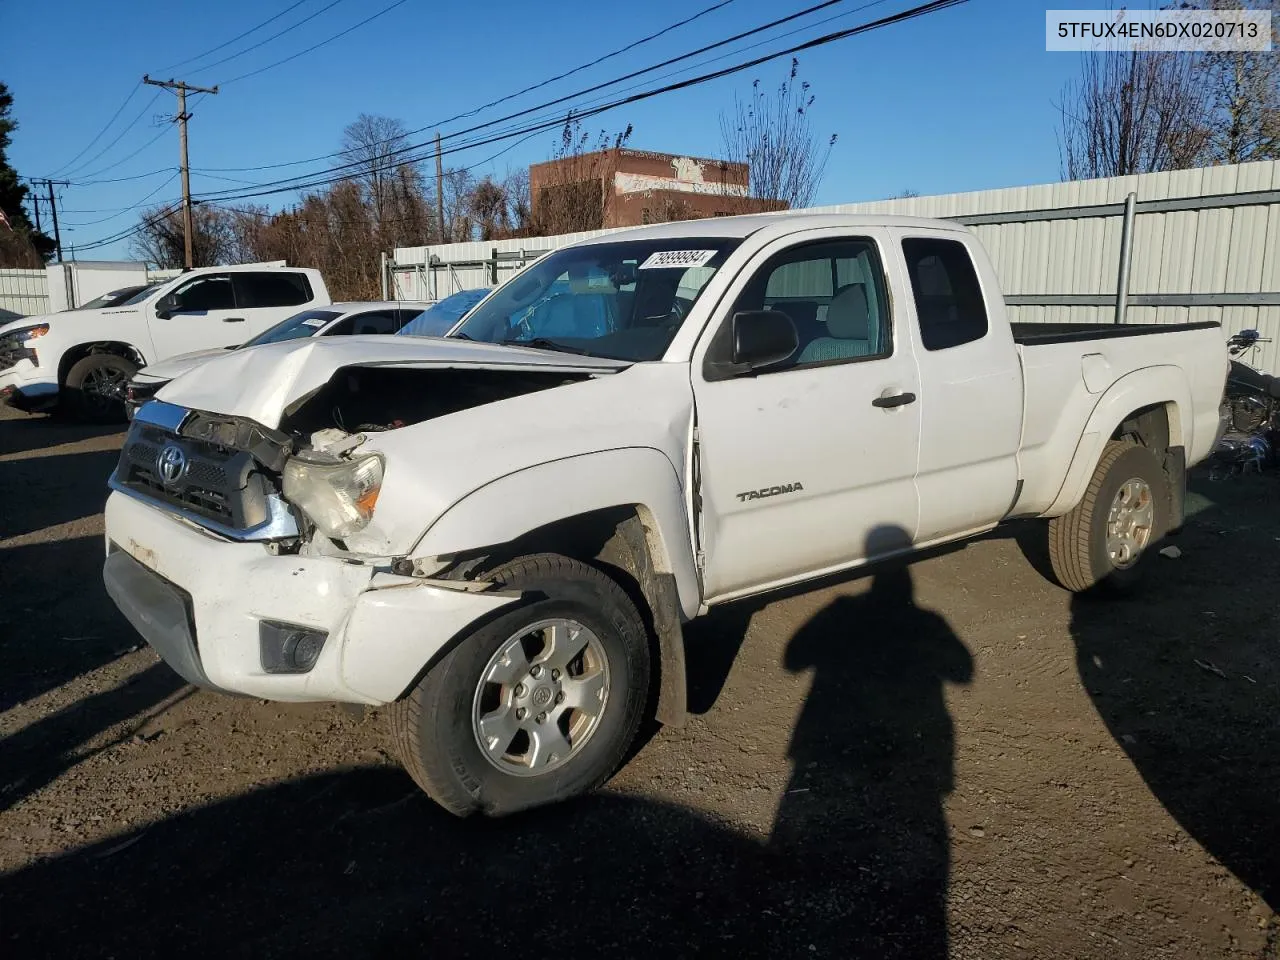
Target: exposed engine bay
(377, 398)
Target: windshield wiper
(542, 343)
(462, 336)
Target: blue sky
(960, 100)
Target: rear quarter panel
(1078, 393)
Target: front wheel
(1125, 510)
(538, 705)
(95, 387)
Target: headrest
(847, 314)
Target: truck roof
(744, 226)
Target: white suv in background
(84, 358)
(336, 320)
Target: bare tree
(519, 207)
(576, 190)
(1130, 112)
(375, 146)
(160, 237)
(1243, 89)
(772, 132)
(487, 204)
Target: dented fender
(513, 505)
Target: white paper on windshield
(316, 322)
(676, 258)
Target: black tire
(1078, 540)
(432, 729)
(86, 380)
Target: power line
(274, 36)
(315, 46)
(493, 103)
(120, 211)
(132, 123)
(136, 176)
(121, 161)
(322, 178)
(599, 86)
(903, 16)
(599, 60)
(167, 209)
(98, 136)
(240, 36)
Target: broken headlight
(338, 496)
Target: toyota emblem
(172, 463)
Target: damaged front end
(249, 482)
(221, 473)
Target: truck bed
(1068, 368)
(1034, 334)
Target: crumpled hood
(260, 382)
(177, 366)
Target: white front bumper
(29, 380)
(382, 629)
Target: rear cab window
(950, 307)
(277, 288)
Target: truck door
(971, 404)
(810, 465)
(198, 315)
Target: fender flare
(504, 509)
(1162, 386)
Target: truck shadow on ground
(1186, 676)
(357, 863)
(21, 432)
(56, 621)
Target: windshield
(117, 298)
(623, 300)
(305, 324)
(440, 317)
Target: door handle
(233, 319)
(896, 400)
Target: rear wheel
(95, 387)
(1104, 541)
(536, 706)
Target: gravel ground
(950, 759)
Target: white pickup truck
(85, 357)
(499, 534)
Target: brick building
(622, 188)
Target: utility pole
(53, 209)
(53, 212)
(440, 191)
(188, 229)
(35, 208)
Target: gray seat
(849, 331)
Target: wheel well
(1157, 428)
(1153, 427)
(77, 353)
(618, 541)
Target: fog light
(287, 648)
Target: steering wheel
(679, 311)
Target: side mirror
(762, 338)
(167, 306)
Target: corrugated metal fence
(24, 292)
(1206, 246)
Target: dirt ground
(953, 759)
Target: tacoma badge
(770, 491)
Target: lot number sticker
(316, 322)
(677, 258)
